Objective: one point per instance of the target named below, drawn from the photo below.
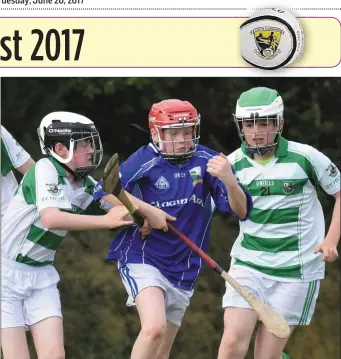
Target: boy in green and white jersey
(277, 254)
(54, 197)
(13, 156)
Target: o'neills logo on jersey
(265, 183)
(177, 202)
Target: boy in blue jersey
(181, 177)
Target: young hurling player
(176, 174)
(55, 196)
(281, 249)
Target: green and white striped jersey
(287, 221)
(24, 237)
(12, 156)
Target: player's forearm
(237, 199)
(112, 199)
(58, 220)
(333, 235)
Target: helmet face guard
(272, 138)
(73, 135)
(174, 114)
(260, 104)
(95, 155)
(190, 145)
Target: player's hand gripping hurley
(112, 184)
(272, 320)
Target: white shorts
(28, 294)
(137, 276)
(295, 301)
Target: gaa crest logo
(267, 40)
(271, 38)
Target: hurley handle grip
(139, 219)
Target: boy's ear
(60, 149)
(281, 123)
(154, 135)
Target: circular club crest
(271, 39)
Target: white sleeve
(49, 192)
(328, 175)
(15, 152)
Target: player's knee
(234, 344)
(268, 356)
(55, 353)
(54, 356)
(154, 332)
(162, 355)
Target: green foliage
(97, 323)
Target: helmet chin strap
(178, 161)
(67, 168)
(261, 150)
(85, 171)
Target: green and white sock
(285, 356)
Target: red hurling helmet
(174, 114)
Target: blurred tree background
(97, 323)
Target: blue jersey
(184, 192)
